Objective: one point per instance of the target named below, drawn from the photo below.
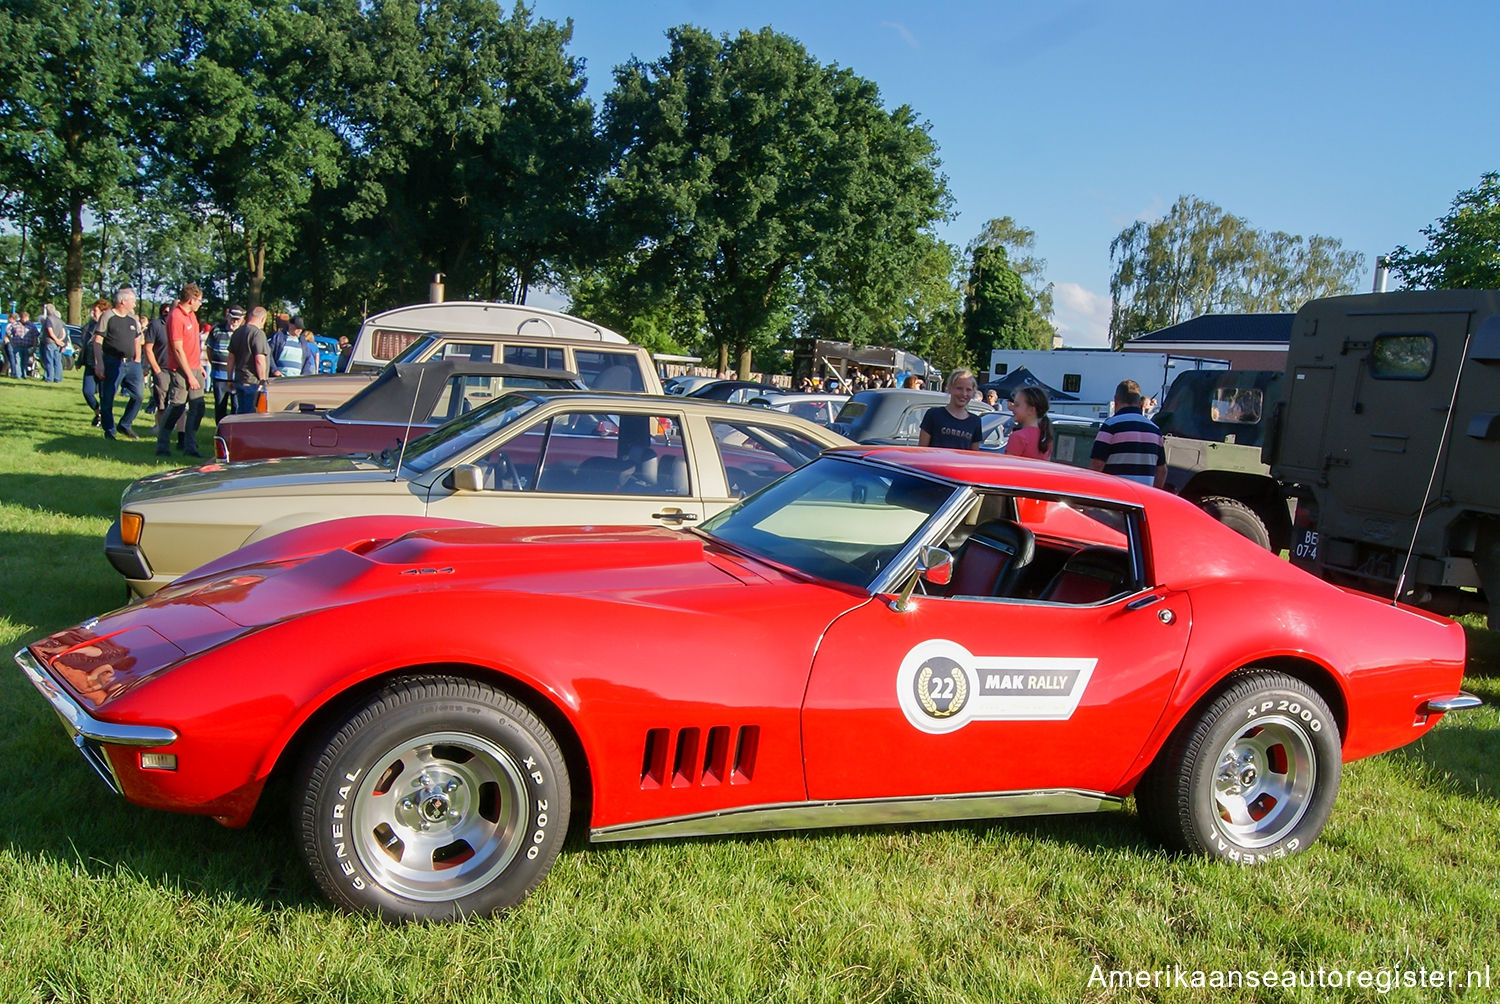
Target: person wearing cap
(217, 348)
(287, 351)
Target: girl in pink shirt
(1033, 434)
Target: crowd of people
(35, 348)
(1128, 444)
(166, 366)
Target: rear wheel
(439, 798)
(1239, 517)
(1253, 778)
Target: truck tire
(1239, 517)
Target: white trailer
(1091, 375)
(384, 335)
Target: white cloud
(1080, 315)
(902, 30)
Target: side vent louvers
(725, 755)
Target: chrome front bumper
(88, 733)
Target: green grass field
(104, 902)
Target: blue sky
(1359, 121)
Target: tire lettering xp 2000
(439, 798)
(1252, 778)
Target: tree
(73, 82)
(245, 126)
(474, 153)
(1463, 248)
(1020, 246)
(761, 187)
(1007, 302)
(1199, 259)
(997, 307)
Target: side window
(755, 454)
(389, 344)
(478, 352)
(604, 370)
(512, 467)
(539, 356)
(1402, 357)
(626, 454)
(911, 423)
(446, 407)
(1044, 550)
(1072, 382)
(1236, 405)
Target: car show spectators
(184, 367)
(952, 426)
(89, 360)
(1129, 445)
(54, 339)
(217, 350)
(287, 351)
(249, 361)
(1032, 437)
(117, 343)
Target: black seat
(1090, 575)
(992, 559)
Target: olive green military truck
(1389, 440)
(1213, 424)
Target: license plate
(1304, 546)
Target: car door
(577, 465)
(991, 694)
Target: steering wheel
(500, 474)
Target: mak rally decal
(942, 686)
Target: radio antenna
(416, 396)
(1437, 461)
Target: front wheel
(439, 798)
(1253, 778)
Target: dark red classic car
(884, 635)
(403, 402)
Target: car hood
(292, 474)
(105, 658)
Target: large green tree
(1199, 259)
(762, 187)
(998, 308)
(245, 115)
(1007, 299)
(1463, 248)
(68, 117)
(474, 152)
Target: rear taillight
(221, 448)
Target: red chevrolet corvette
(884, 635)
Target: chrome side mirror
(934, 566)
(465, 478)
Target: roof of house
(1222, 331)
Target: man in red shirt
(184, 365)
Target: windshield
(448, 442)
(837, 519)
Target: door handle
(675, 514)
(1144, 601)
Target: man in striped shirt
(1129, 444)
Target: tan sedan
(528, 458)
